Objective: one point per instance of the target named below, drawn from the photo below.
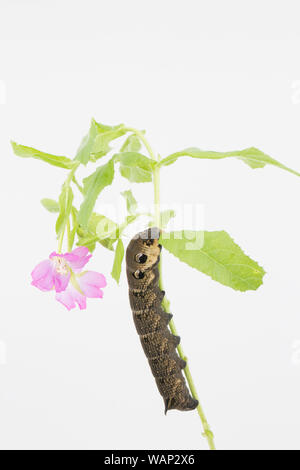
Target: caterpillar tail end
(192, 404)
(170, 404)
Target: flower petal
(90, 283)
(81, 251)
(78, 297)
(70, 297)
(78, 258)
(42, 275)
(61, 281)
(66, 299)
(93, 278)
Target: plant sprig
(218, 256)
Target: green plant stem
(70, 177)
(207, 433)
(140, 135)
(69, 235)
(60, 241)
(80, 188)
(206, 429)
(156, 181)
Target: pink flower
(62, 272)
(86, 284)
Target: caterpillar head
(142, 256)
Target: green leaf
(135, 167)
(117, 266)
(95, 219)
(101, 143)
(131, 144)
(88, 237)
(89, 242)
(216, 255)
(128, 220)
(29, 152)
(107, 128)
(131, 203)
(106, 228)
(72, 236)
(251, 156)
(93, 185)
(74, 214)
(50, 205)
(85, 148)
(108, 243)
(65, 207)
(95, 144)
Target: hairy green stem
(207, 433)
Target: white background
(218, 75)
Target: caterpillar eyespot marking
(151, 321)
(138, 274)
(141, 258)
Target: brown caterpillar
(151, 321)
